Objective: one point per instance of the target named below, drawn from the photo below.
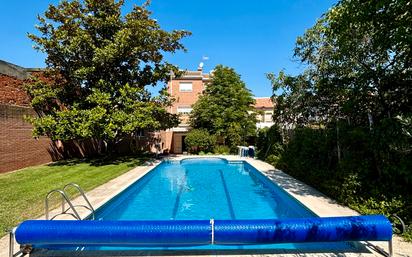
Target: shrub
(348, 189)
(221, 149)
(370, 174)
(269, 142)
(199, 140)
(273, 159)
(306, 157)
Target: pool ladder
(65, 199)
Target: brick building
(186, 90)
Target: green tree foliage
(351, 107)
(358, 58)
(99, 65)
(199, 140)
(226, 108)
(294, 103)
(269, 144)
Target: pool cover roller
(201, 232)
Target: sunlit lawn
(22, 192)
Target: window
(268, 117)
(185, 86)
(184, 110)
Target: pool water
(206, 188)
(203, 189)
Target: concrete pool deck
(311, 198)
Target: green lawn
(22, 192)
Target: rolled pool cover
(94, 232)
(202, 232)
(334, 229)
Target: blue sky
(254, 37)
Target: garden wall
(18, 149)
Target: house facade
(264, 106)
(186, 90)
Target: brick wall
(18, 149)
(185, 99)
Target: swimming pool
(203, 189)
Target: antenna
(201, 64)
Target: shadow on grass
(131, 160)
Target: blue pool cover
(202, 232)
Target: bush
(199, 140)
(273, 159)
(348, 189)
(221, 149)
(370, 174)
(307, 157)
(269, 142)
(387, 207)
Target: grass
(22, 192)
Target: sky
(253, 37)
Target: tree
(359, 70)
(269, 142)
(356, 88)
(360, 59)
(295, 105)
(99, 65)
(226, 108)
(199, 140)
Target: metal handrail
(11, 242)
(64, 213)
(89, 207)
(64, 198)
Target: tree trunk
(337, 143)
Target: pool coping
(308, 196)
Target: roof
(193, 75)
(263, 102)
(13, 70)
(12, 80)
